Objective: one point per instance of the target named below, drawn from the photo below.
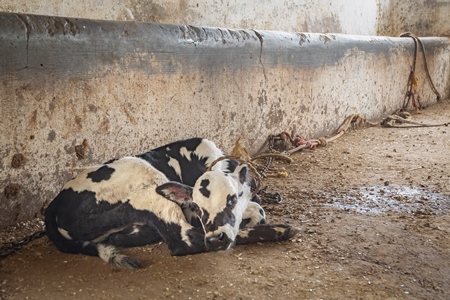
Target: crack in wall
(260, 54)
(28, 32)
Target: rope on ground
(394, 121)
(241, 154)
(284, 143)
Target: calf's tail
(64, 243)
(108, 253)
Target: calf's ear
(243, 174)
(176, 192)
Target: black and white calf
(165, 194)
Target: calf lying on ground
(165, 194)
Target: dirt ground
(373, 208)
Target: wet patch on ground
(390, 198)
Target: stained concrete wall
(368, 17)
(291, 15)
(422, 17)
(77, 92)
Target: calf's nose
(217, 242)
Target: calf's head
(216, 203)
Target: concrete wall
(422, 17)
(291, 15)
(368, 17)
(80, 92)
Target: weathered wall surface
(343, 16)
(369, 17)
(421, 17)
(80, 92)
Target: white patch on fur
(253, 212)
(175, 164)
(244, 233)
(208, 149)
(133, 180)
(280, 229)
(221, 166)
(64, 233)
(186, 153)
(135, 229)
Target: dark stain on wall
(51, 136)
(303, 38)
(92, 108)
(81, 150)
(11, 190)
(79, 122)
(18, 160)
(401, 16)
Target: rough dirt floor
(373, 208)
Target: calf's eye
(221, 236)
(231, 200)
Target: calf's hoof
(291, 232)
(126, 262)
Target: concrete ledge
(108, 89)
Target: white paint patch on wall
(368, 17)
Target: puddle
(392, 198)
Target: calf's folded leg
(135, 236)
(266, 233)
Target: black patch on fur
(101, 174)
(226, 216)
(261, 212)
(135, 236)
(256, 199)
(232, 165)
(192, 167)
(110, 161)
(204, 188)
